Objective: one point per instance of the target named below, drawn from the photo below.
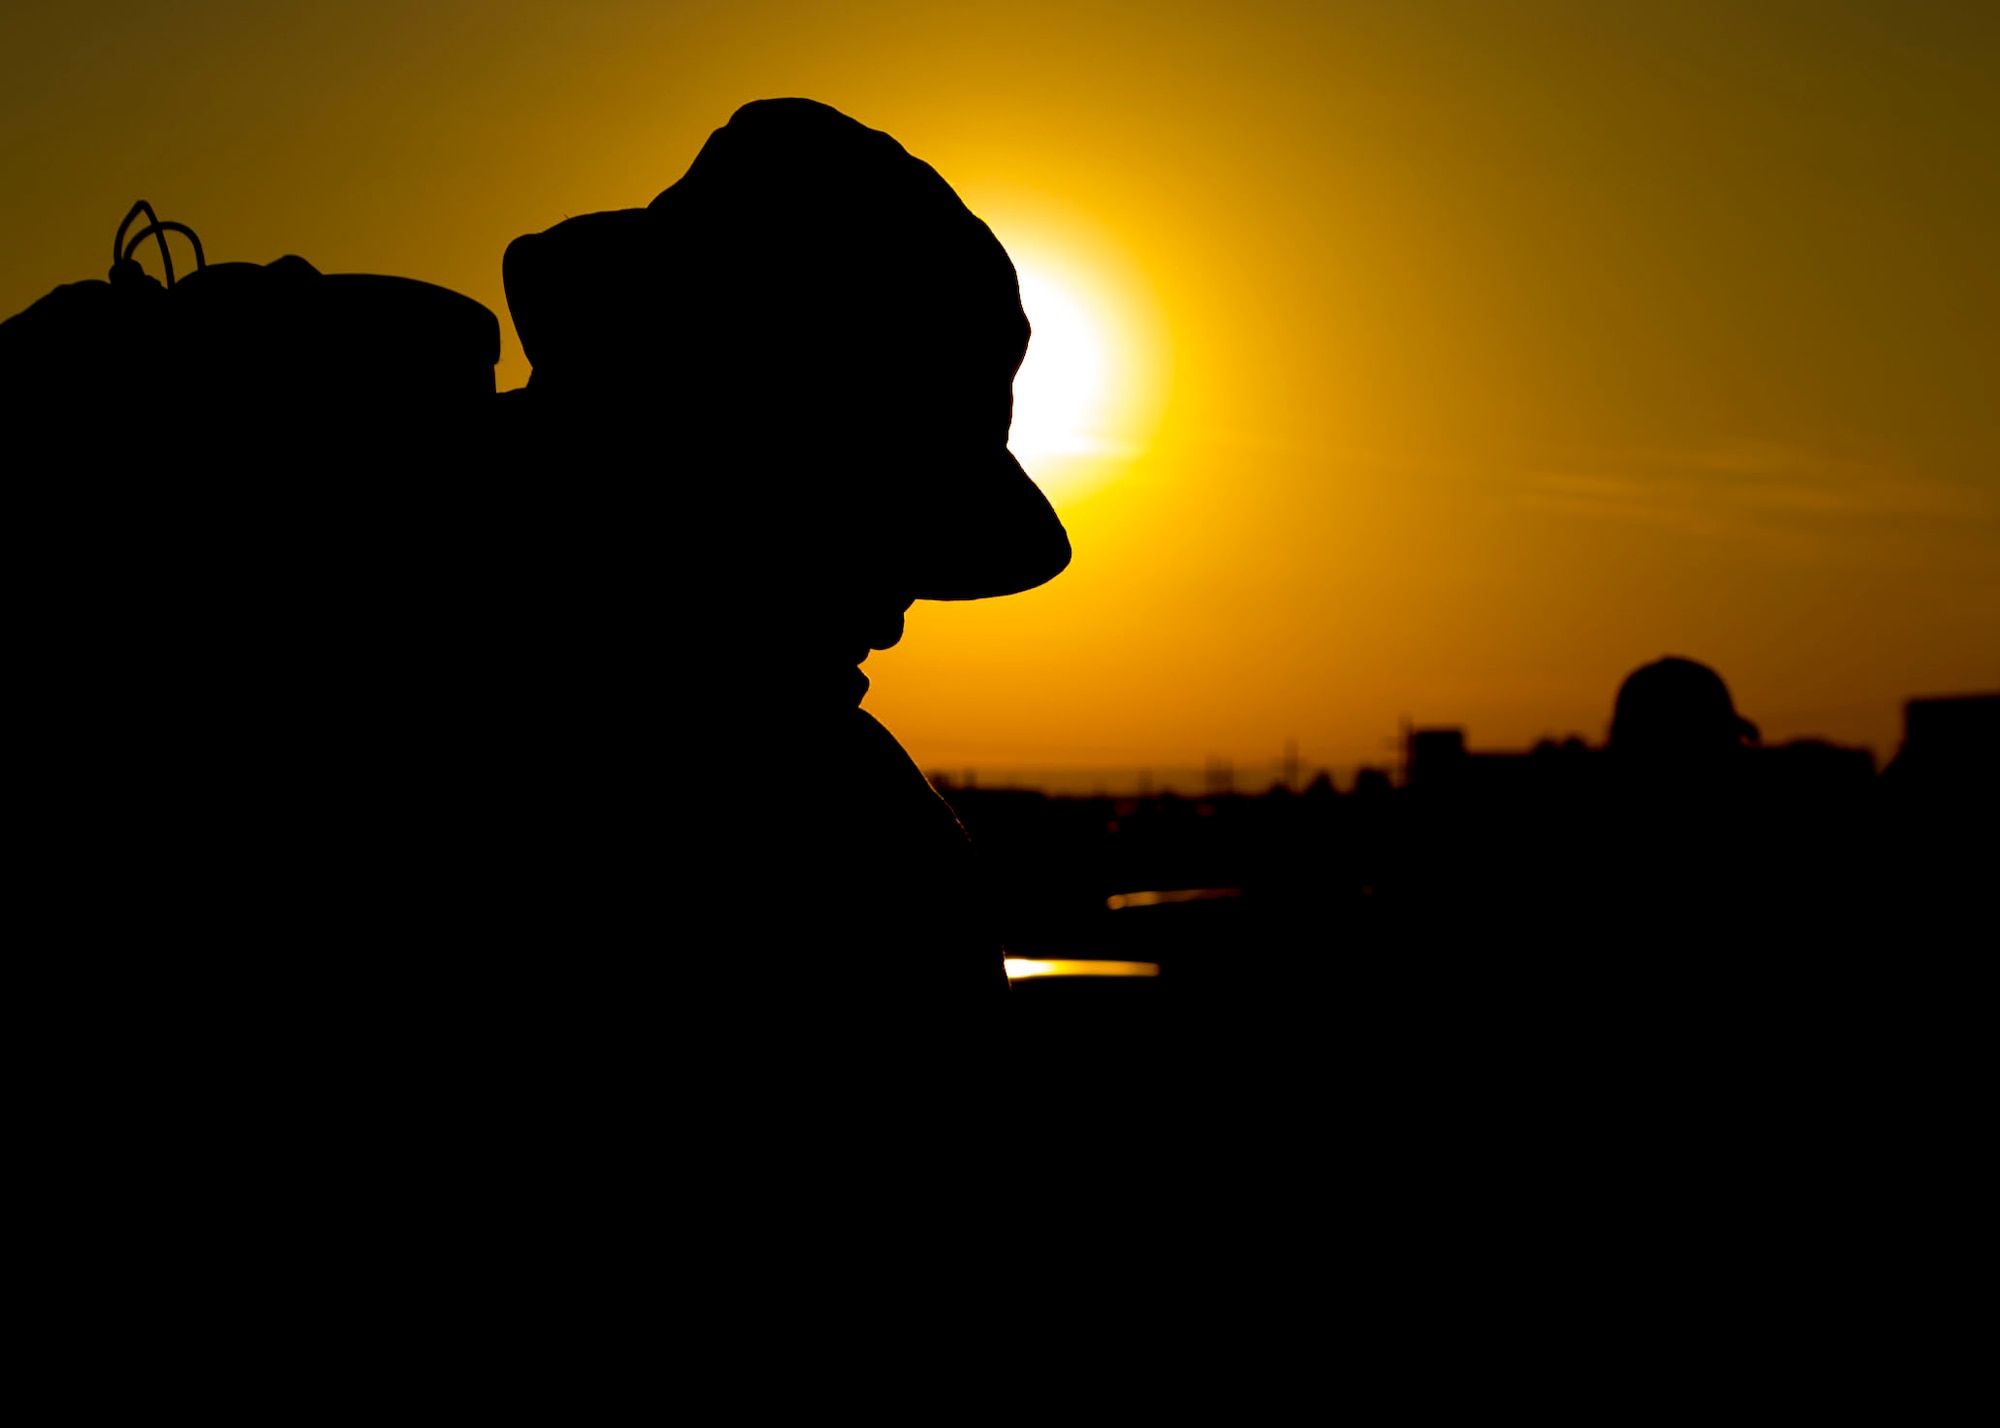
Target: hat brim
(987, 530)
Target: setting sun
(1089, 395)
(1059, 392)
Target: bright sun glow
(1089, 397)
(1059, 391)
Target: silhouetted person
(768, 411)
(1677, 851)
(1728, 844)
(1677, 714)
(418, 769)
(1729, 957)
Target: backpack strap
(156, 228)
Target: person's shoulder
(884, 764)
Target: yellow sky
(1457, 357)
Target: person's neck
(787, 687)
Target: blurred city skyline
(1295, 768)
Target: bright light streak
(1020, 967)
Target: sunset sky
(1439, 360)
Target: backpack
(257, 362)
(233, 499)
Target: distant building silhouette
(1949, 743)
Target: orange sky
(1457, 357)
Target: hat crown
(801, 252)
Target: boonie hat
(827, 290)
